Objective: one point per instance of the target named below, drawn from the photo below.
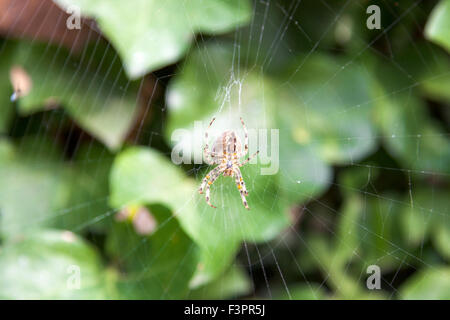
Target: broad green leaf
(418, 65)
(408, 133)
(218, 232)
(303, 173)
(427, 217)
(87, 207)
(438, 25)
(94, 91)
(427, 284)
(416, 220)
(348, 242)
(357, 178)
(415, 224)
(70, 196)
(51, 265)
(232, 284)
(156, 266)
(435, 77)
(39, 180)
(442, 238)
(215, 257)
(329, 108)
(381, 243)
(413, 138)
(6, 150)
(143, 176)
(150, 34)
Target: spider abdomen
(227, 143)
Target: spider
(226, 152)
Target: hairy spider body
(226, 152)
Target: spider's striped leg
(248, 159)
(240, 180)
(241, 187)
(208, 155)
(245, 139)
(208, 187)
(209, 176)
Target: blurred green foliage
(364, 153)
(150, 34)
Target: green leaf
(435, 78)
(358, 178)
(45, 266)
(150, 34)
(157, 266)
(87, 207)
(303, 173)
(218, 232)
(36, 178)
(427, 217)
(418, 65)
(6, 150)
(215, 257)
(428, 284)
(137, 171)
(94, 91)
(329, 108)
(442, 238)
(409, 134)
(382, 244)
(438, 25)
(416, 220)
(415, 225)
(71, 196)
(232, 284)
(322, 129)
(348, 235)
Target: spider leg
(248, 159)
(245, 140)
(208, 155)
(240, 180)
(241, 187)
(205, 180)
(208, 187)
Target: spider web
(275, 268)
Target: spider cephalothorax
(226, 152)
